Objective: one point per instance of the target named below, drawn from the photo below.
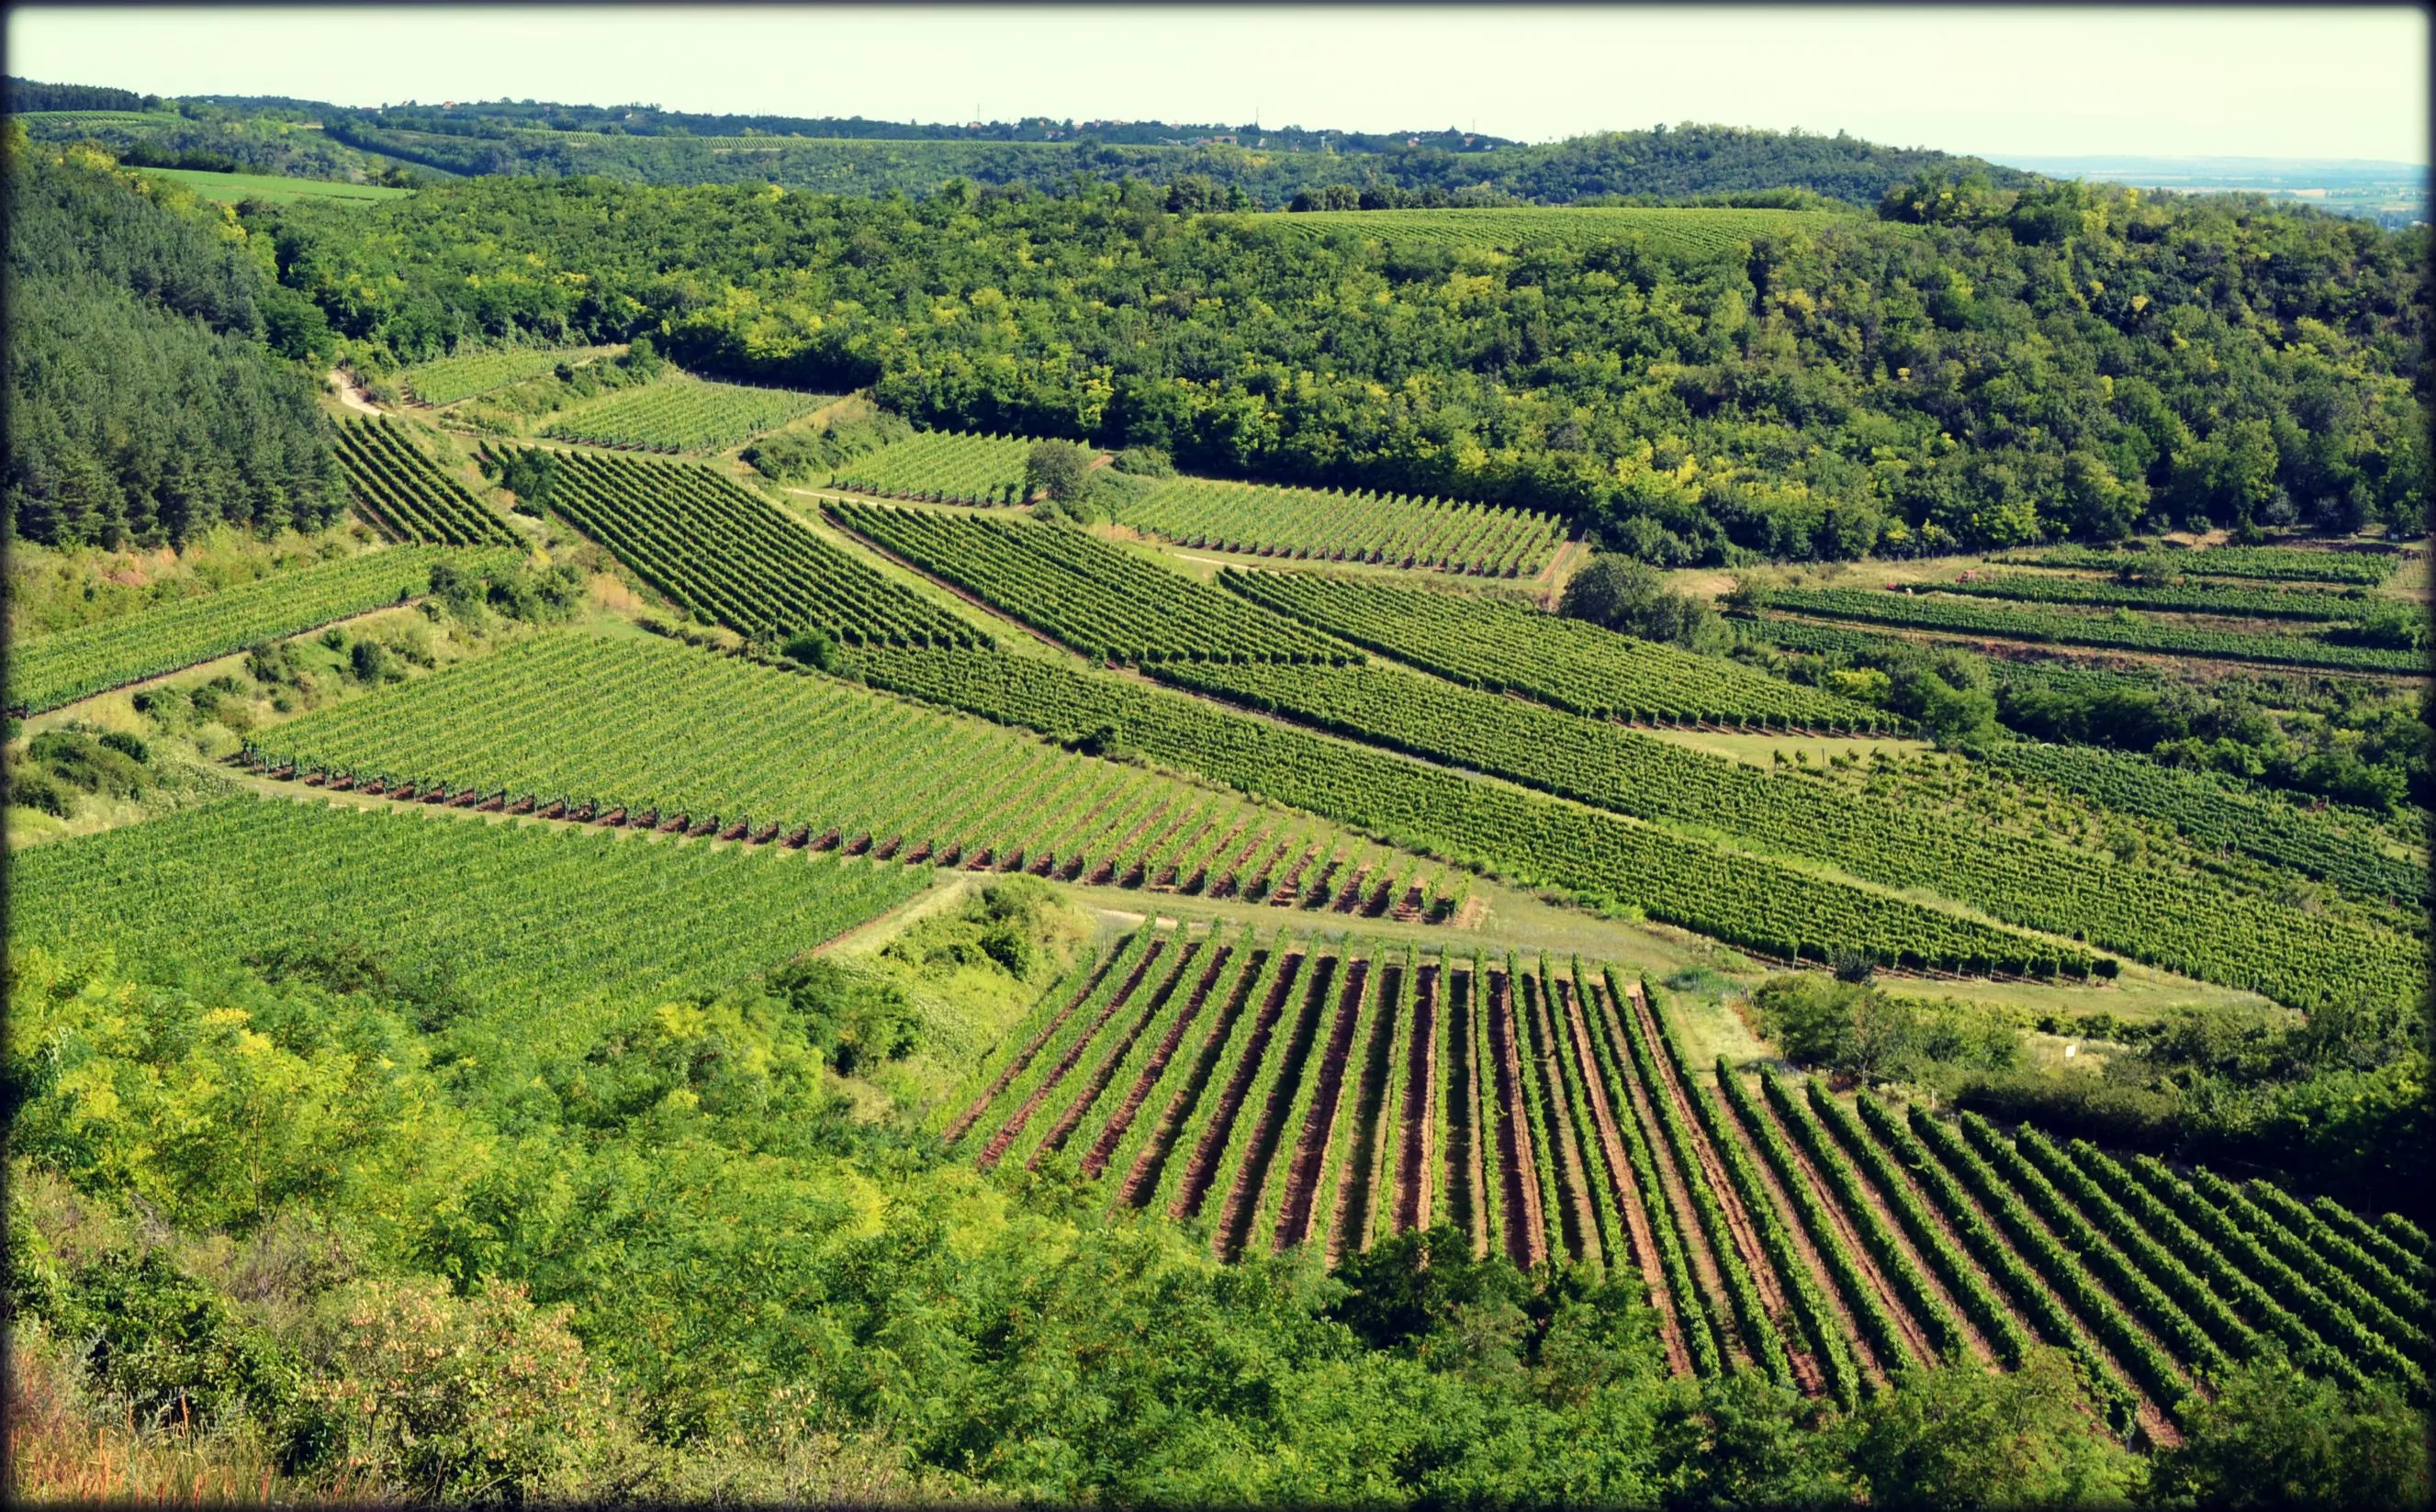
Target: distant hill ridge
(1244, 166)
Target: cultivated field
(1285, 1093)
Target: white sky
(2272, 82)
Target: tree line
(1969, 367)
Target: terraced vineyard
(49, 671)
(1098, 598)
(406, 493)
(1329, 524)
(734, 558)
(1535, 840)
(1569, 663)
(680, 741)
(517, 914)
(2213, 931)
(684, 414)
(1697, 231)
(1949, 612)
(942, 467)
(2224, 600)
(2215, 815)
(1286, 1092)
(2288, 564)
(446, 380)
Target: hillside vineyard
(795, 808)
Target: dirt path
(352, 397)
(1739, 1227)
(1706, 1273)
(1528, 1246)
(1416, 1161)
(1014, 1125)
(1201, 1174)
(1096, 1160)
(1627, 1193)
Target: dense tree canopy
(1971, 367)
(143, 403)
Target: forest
(1965, 367)
(144, 403)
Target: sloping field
(2122, 630)
(501, 911)
(1098, 598)
(1329, 524)
(733, 557)
(684, 414)
(49, 671)
(942, 467)
(392, 480)
(1285, 1092)
(1569, 663)
(678, 739)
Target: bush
(1144, 462)
(1631, 598)
(813, 648)
(485, 1397)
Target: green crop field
(392, 479)
(1695, 232)
(942, 467)
(2120, 630)
(734, 558)
(703, 742)
(2210, 930)
(2222, 600)
(446, 380)
(2265, 562)
(1528, 838)
(49, 671)
(682, 414)
(1569, 663)
(232, 188)
(1100, 599)
(1287, 1093)
(1325, 525)
(513, 913)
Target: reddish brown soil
(1202, 1173)
(1321, 1004)
(1739, 1220)
(1014, 1067)
(1014, 1125)
(1366, 1151)
(1097, 1082)
(1320, 1122)
(1096, 1160)
(1564, 1146)
(1526, 1225)
(1705, 1272)
(1628, 1191)
(1144, 1176)
(1414, 1159)
(1914, 1335)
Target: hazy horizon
(2154, 83)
